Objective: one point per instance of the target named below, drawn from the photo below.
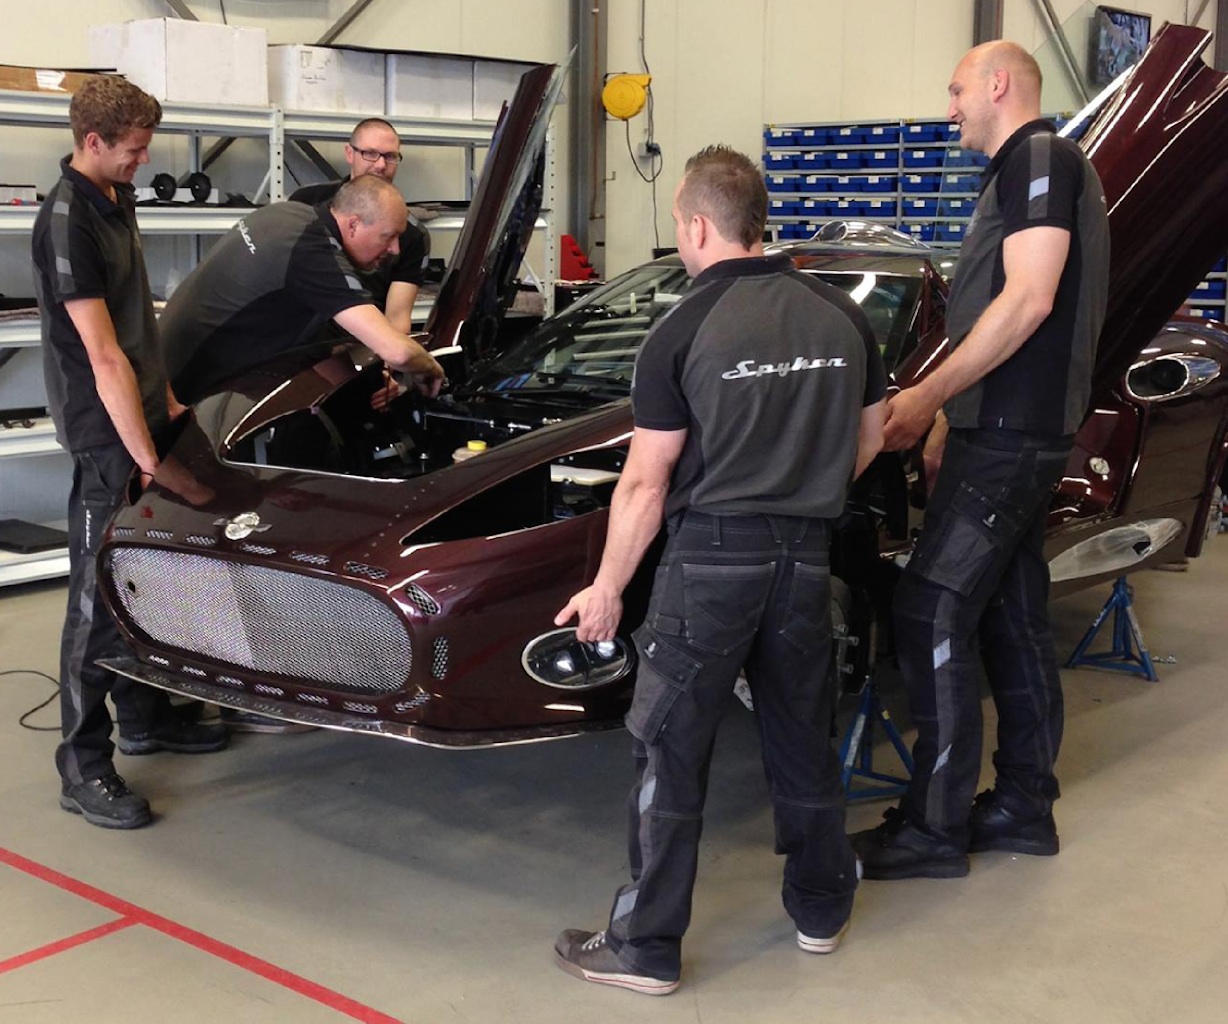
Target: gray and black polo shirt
(768, 370)
(1036, 179)
(87, 247)
(409, 265)
(265, 288)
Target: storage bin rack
(911, 175)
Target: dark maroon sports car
(383, 573)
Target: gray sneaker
(588, 956)
(106, 802)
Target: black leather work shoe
(106, 802)
(994, 826)
(176, 735)
(900, 849)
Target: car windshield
(591, 345)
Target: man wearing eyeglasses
(374, 148)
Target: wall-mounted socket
(646, 149)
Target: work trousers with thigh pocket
(978, 573)
(733, 592)
(100, 476)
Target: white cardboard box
(494, 83)
(423, 85)
(187, 61)
(326, 78)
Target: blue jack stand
(1126, 637)
(857, 750)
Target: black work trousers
(978, 574)
(733, 592)
(100, 476)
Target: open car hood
(479, 283)
(1158, 147)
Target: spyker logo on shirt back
(749, 368)
(242, 525)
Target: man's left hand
(387, 394)
(909, 416)
(600, 612)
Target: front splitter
(444, 739)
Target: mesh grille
(259, 549)
(200, 541)
(439, 657)
(372, 572)
(310, 559)
(262, 619)
(423, 600)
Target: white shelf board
(41, 565)
(36, 440)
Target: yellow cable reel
(624, 96)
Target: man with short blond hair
(108, 395)
(748, 469)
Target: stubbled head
(371, 214)
(994, 89)
(721, 199)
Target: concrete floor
(323, 877)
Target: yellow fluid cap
(624, 96)
(476, 446)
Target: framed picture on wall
(1118, 39)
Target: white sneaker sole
(635, 982)
(811, 944)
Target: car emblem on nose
(242, 525)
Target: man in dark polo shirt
(757, 400)
(374, 148)
(1025, 313)
(276, 277)
(107, 393)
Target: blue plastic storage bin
(880, 158)
(1220, 266)
(848, 135)
(882, 134)
(816, 183)
(814, 162)
(923, 132)
(784, 207)
(919, 208)
(880, 208)
(845, 159)
(968, 183)
(956, 207)
(780, 137)
(949, 232)
(914, 158)
(813, 136)
(921, 182)
(784, 182)
(779, 161)
(1209, 290)
(964, 158)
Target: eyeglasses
(371, 155)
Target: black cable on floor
(37, 707)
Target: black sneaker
(248, 721)
(821, 943)
(106, 802)
(995, 827)
(898, 848)
(177, 735)
(587, 956)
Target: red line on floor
(138, 915)
(60, 945)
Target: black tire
(164, 186)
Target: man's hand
(600, 611)
(430, 382)
(909, 415)
(388, 392)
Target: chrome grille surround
(262, 619)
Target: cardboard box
(187, 61)
(494, 83)
(326, 78)
(426, 85)
(42, 79)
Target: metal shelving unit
(197, 121)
